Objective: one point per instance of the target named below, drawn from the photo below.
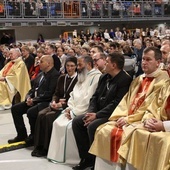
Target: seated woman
(13, 77)
(36, 68)
(65, 85)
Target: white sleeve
(166, 125)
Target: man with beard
(77, 104)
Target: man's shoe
(84, 164)
(39, 153)
(29, 140)
(34, 152)
(16, 139)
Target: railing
(80, 9)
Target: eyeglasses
(96, 59)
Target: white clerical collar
(152, 74)
(74, 75)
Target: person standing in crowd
(62, 145)
(132, 108)
(111, 88)
(65, 85)
(12, 75)
(38, 98)
(40, 39)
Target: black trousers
(84, 136)
(19, 109)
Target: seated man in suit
(38, 98)
(13, 77)
(111, 88)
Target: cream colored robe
(63, 148)
(146, 150)
(102, 141)
(17, 80)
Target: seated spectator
(6, 55)
(113, 47)
(111, 88)
(99, 60)
(51, 50)
(2, 58)
(38, 98)
(13, 74)
(62, 145)
(64, 87)
(130, 60)
(62, 57)
(36, 69)
(27, 57)
(132, 108)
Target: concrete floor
(20, 159)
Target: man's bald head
(46, 63)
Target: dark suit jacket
(44, 88)
(109, 93)
(57, 63)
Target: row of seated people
(91, 103)
(31, 57)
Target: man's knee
(77, 121)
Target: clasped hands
(154, 125)
(88, 118)
(121, 122)
(29, 101)
(2, 78)
(57, 106)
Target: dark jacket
(109, 93)
(57, 63)
(44, 88)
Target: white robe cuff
(166, 126)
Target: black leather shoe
(16, 139)
(34, 152)
(29, 140)
(84, 164)
(39, 153)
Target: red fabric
(116, 137)
(35, 72)
(140, 95)
(7, 69)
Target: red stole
(6, 70)
(116, 134)
(140, 95)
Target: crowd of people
(86, 8)
(103, 95)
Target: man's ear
(113, 65)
